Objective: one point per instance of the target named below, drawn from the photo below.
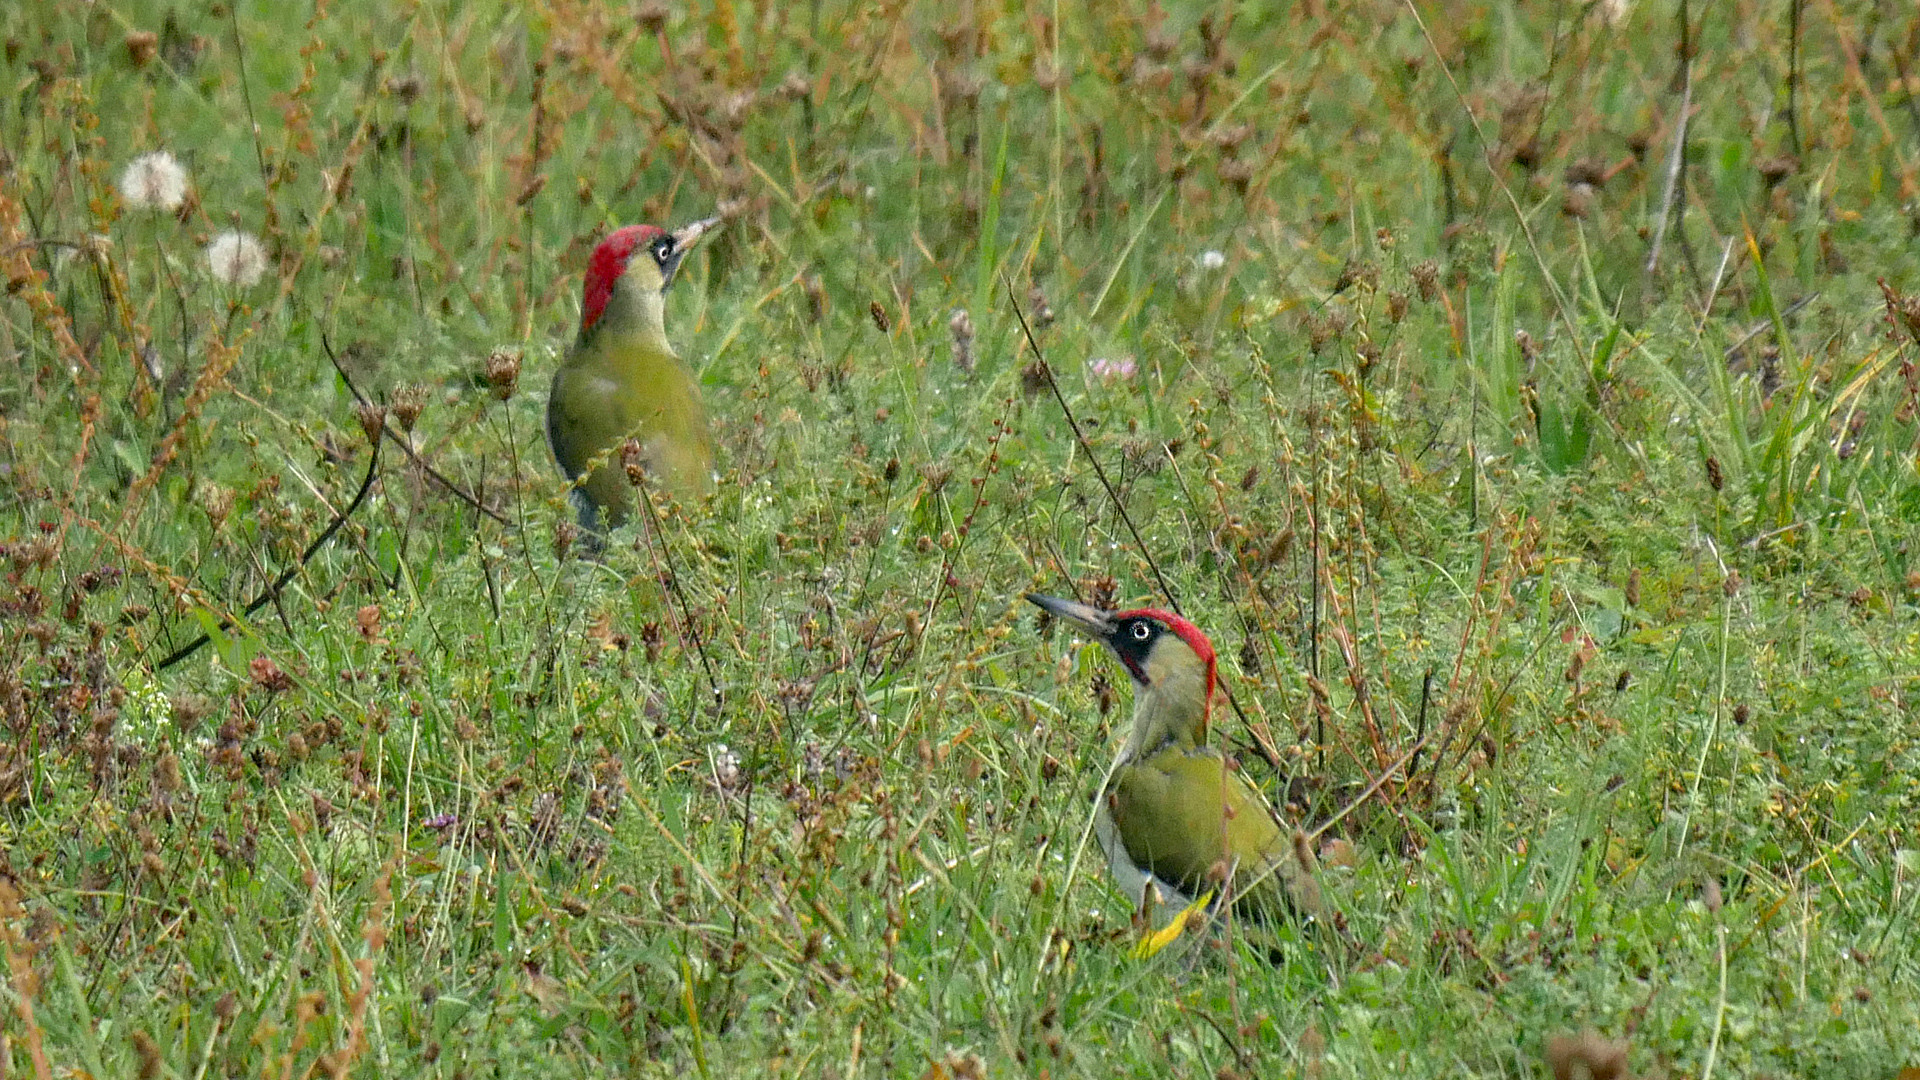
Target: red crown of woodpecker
(1187, 632)
(609, 261)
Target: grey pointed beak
(689, 235)
(1082, 617)
(683, 240)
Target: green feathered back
(1181, 811)
(624, 381)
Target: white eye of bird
(663, 247)
(1141, 631)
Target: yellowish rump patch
(1194, 915)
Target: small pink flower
(1117, 368)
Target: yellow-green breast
(613, 388)
(1180, 811)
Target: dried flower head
(217, 501)
(141, 47)
(1616, 12)
(503, 372)
(1150, 74)
(1034, 378)
(633, 459)
(405, 87)
(373, 420)
(736, 108)
(652, 16)
(1161, 41)
(1579, 201)
(237, 258)
(726, 767)
(964, 86)
(1587, 1053)
(1426, 279)
(408, 403)
(267, 675)
(155, 181)
(1038, 310)
(367, 622)
(1528, 345)
(1237, 174)
(816, 291)
(1357, 272)
(961, 327)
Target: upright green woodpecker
(623, 380)
(1175, 814)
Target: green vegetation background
(1509, 376)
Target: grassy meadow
(1522, 395)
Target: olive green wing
(577, 431)
(566, 452)
(1181, 813)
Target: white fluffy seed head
(237, 258)
(155, 181)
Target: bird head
(633, 266)
(1170, 660)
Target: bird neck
(1170, 710)
(635, 317)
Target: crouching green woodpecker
(623, 380)
(1175, 814)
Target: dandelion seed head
(1212, 260)
(155, 181)
(237, 258)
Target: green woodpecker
(1175, 814)
(623, 380)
